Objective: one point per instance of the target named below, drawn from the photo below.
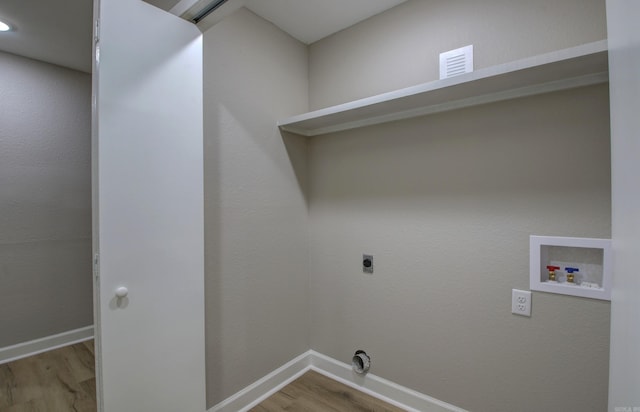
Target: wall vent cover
(456, 62)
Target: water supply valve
(552, 272)
(570, 275)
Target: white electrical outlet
(521, 302)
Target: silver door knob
(122, 292)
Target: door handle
(122, 292)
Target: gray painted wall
(45, 200)
(446, 204)
(401, 47)
(255, 209)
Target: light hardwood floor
(313, 392)
(60, 380)
(63, 380)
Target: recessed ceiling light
(4, 26)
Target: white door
(148, 210)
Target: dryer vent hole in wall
(360, 362)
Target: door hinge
(96, 265)
(96, 31)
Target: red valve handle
(553, 268)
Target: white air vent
(456, 62)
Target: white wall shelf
(591, 256)
(563, 69)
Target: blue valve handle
(571, 270)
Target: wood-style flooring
(61, 380)
(313, 392)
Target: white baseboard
(260, 390)
(378, 387)
(390, 392)
(33, 347)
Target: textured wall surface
(255, 209)
(401, 47)
(45, 200)
(446, 204)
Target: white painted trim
(537, 269)
(378, 387)
(390, 392)
(182, 7)
(36, 346)
(554, 86)
(187, 9)
(261, 389)
(559, 70)
(220, 14)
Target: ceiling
(312, 20)
(59, 31)
(54, 31)
(305, 20)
